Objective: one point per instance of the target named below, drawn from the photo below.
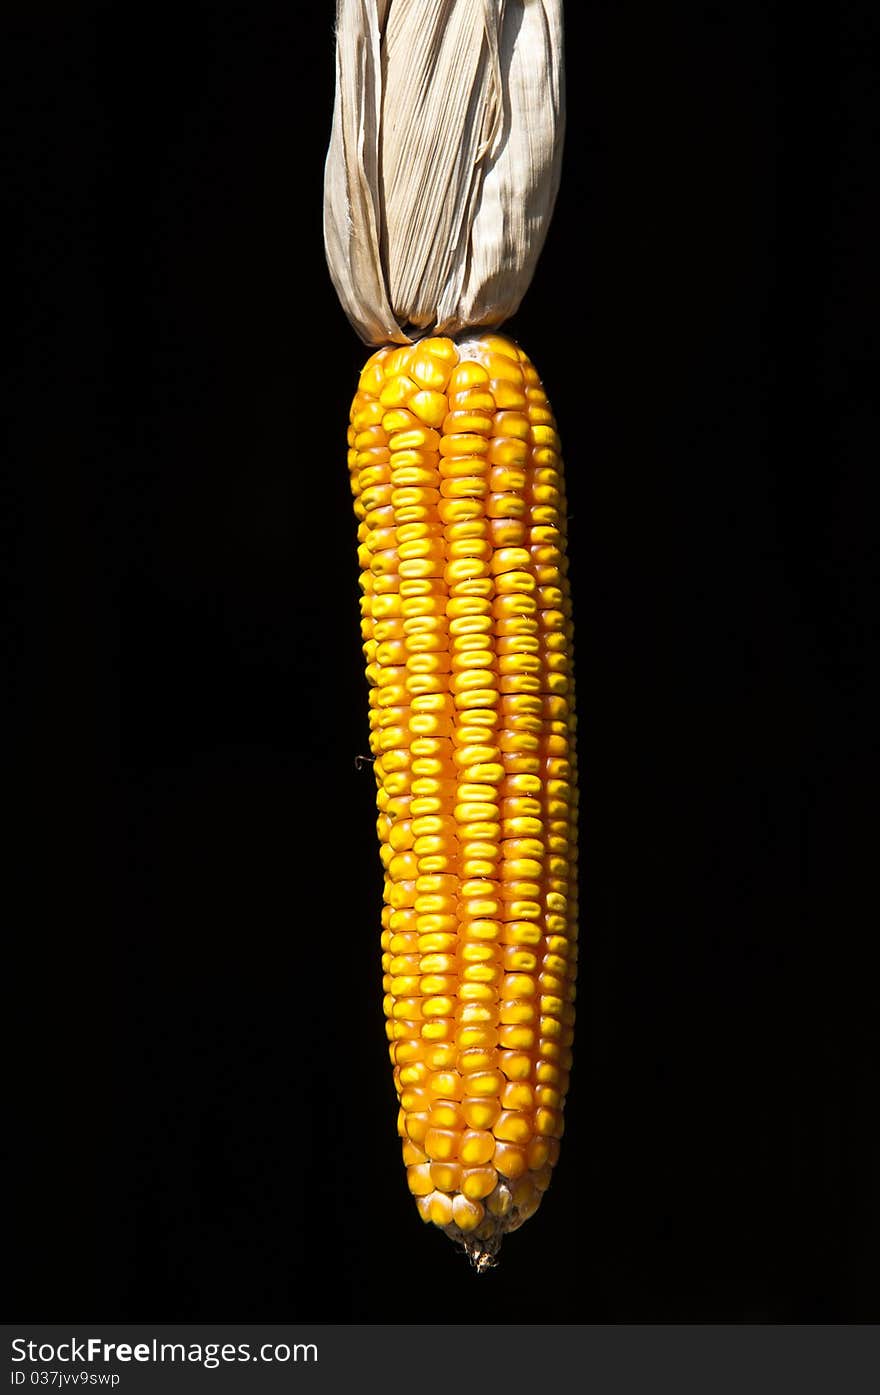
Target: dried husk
(444, 160)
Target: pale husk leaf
(444, 160)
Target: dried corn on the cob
(457, 478)
(440, 182)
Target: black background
(200, 1103)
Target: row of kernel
(460, 1148)
(519, 892)
(425, 655)
(535, 690)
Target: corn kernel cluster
(459, 495)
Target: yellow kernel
(446, 1176)
(525, 1195)
(516, 1037)
(521, 932)
(508, 396)
(464, 376)
(445, 1115)
(477, 1147)
(478, 993)
(441, 1145)
(479, 1182)
(460, 420)
(418, 1178)
(538, 1153)
(518, 1096)
(431, 374)
(511, 1127)
(429, 406)
(440, 1208)
(439, 1029)
(475, 1059)
(516, 1013)
(439, 1055)
(466, 1213)
(447, 1084)
(413, 1154)
(510, 1159)
(439, 1006)
(478, 1037)
(417, 1126)
(478, 1113)
(484, 1083)
(548, 1121)
(438, 985)
(397, 391)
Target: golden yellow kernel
(538, 1153)
(439, 1055)
(445, 1114)
(479, 1113)
(512, 1127)
(510, 1159)
(441, 1145)
(429, 406)
(418, 1177)
(413, 1154)
(465, 375)
(397, 391)
(440, 1209)
(429, 369)
(516, 1037)
(548, 1122)
(446, 1176)
(439, 1006)
(466, 1213)
(479, 1182)
(481, 1083)
(416, 1126)
(508, 395)
(477, 1147)
(439, 1029)
(517, 1094)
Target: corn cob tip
(482, 1246)
(483, 1254)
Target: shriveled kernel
(500, 1203)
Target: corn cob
(457, 479)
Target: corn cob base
(466, 621)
